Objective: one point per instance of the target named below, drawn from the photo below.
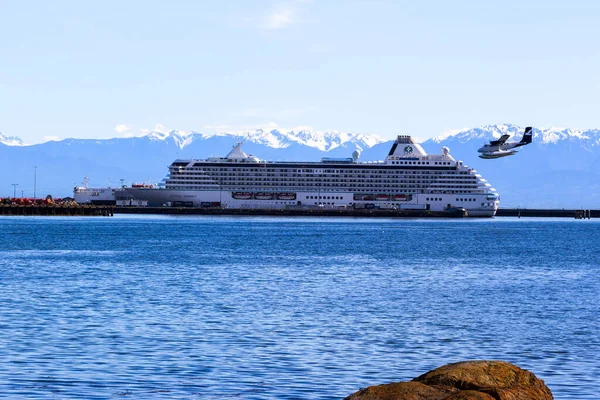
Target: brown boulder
(469, 380)
(400, 390)
(502, 380)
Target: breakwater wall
(57, 210)
(556, 213)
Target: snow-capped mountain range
(329, 140)
(275, 138)
(561, 168)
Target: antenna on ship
(86, 180)
(241, 139)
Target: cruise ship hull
(476, 205)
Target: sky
(78, 69)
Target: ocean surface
(163, 307)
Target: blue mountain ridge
(560, 169)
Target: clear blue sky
(80, 69)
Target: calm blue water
(264, 308)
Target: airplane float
(502, 148)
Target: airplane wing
(500, 141)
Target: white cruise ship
(408, 178)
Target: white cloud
(123, 128)
(279, 18)
(282, 16)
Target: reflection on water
(262, 308)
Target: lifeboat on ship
(400, 197)
(241, 195)
(362, 196)
(263, 196)
(286, 196)
(382, 197)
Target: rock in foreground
(468, 380)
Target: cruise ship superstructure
(408, 178)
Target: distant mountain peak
(10, 140)
(180, 138)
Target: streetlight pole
(15, 190)
(34, 182)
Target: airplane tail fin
(527, 136)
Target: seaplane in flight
(502, 148)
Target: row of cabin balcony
(364, 176)
(304, 171)
(383, 185)
(328, 183)
(358, 174)
(328, 179)
(338, 181)
(410, 190)
(338, 177)
(332, 178)
(333, 188)
(320, 171)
